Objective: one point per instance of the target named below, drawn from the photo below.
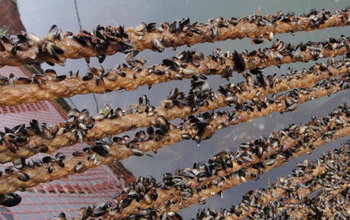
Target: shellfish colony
(259, 95)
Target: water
(38, 16)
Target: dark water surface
(39, 15)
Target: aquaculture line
(198, 109)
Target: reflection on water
(38, 16)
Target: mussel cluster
(288, 196)
(188, 64)
(28, 48)
(224, 170)
(259, 95)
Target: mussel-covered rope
(59, 45)
(188, 64)
(24, 141)
(329, 173)
(176, 192)
(30, 173)
(328, 204)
